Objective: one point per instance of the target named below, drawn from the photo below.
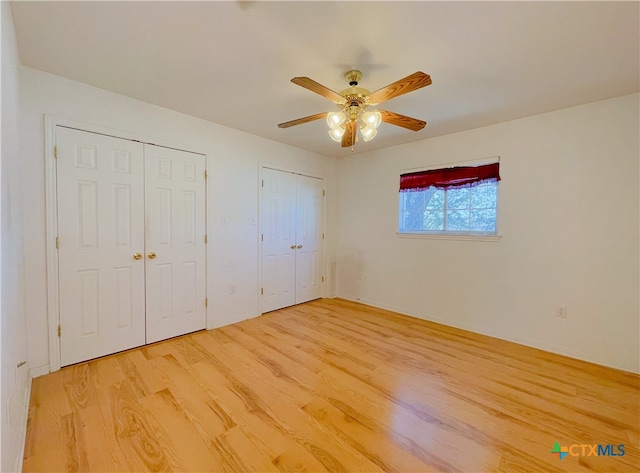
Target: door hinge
(322, 278)
(206, 174)
(205, 238)
(206, 302)
(323, 235)
(57, 243)
(262, 291)
(262, 237)
(55, 152)
(59, 330)
(322, 192)
(263, 183)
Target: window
(458, 200)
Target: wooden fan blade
(402, 120)
(300, 121)
(415, 81)
(320, 89)
(349, 137)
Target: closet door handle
(137, 256)
(293, 247)
(152, 255)
(299, 246)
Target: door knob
(152, 255)
(299, 246)
(137, 256)
(293, 247)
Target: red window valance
(449, 178)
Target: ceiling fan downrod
(353, 77)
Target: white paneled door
(278, 224)
(292, 210)
(175, 247)
(123, 282)
(309, 233)
(100, 229)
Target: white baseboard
(39, 371)
(559, 350)
(23, 423)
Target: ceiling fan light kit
(336, 119)
(369, 122)
(337, 133)
(353, 100)
(372, 118)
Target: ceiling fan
(343, 125)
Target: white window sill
(451, 236)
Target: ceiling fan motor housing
(356, 98)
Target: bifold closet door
(292, 224)
(131, 257)
(309, 228)
(100, 185)
(175, 245)
(278, 216)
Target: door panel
(175, 229)
(100, 227)
(309, 227)
(278, 237)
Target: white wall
(568, 216)
(13, 336)
(234, 158)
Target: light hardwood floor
(332, 386)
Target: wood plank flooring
(333, 386)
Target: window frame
(444, 234)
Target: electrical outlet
(561, 312)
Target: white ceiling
(231, 62)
